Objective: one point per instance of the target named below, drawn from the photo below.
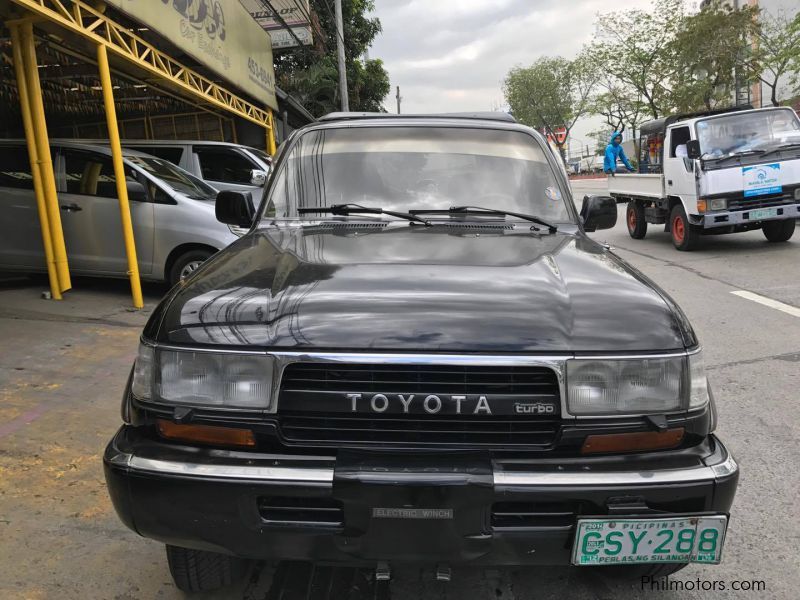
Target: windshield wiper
(739, 155)
(480, 210)
(352, 209)
(787, 146)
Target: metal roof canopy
(131, 54)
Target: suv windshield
(174, 177)
(413, 168)
(740, 132)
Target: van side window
(90, 174)
(224, 164)
(15, 168)
(172, 154)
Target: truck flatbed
(636, 185)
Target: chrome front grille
(334, 404)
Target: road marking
(787, 308)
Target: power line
(333, 17)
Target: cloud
(452, 55)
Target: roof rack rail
(354, 116)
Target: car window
(405, 168)
(260, 154)
(224, 164)
(91, 174)
(15, 168)
(171, 153)
(174, 177)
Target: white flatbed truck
(715, 172)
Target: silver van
(173, 213)
(223, 165)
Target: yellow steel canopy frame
(90, 23)
(81, 18)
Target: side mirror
(598, 212)
(136, 191)
(258, 177)
(234, 208)
(693, 149)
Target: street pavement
(63, 367)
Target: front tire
(634, 218)
(684, 234)
(186, 264)
(200, 571)
(778, 231)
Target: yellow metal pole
(48, 179)
(271, 147)
(33, 156)
(119, 175)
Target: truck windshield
(407, 168)
(747, 131)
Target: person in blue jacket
(614, 151)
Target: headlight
(635, 386)
(717, 204)
(184, 377)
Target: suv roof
(484, 116)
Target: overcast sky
(452, 55)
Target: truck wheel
(634, 217)
(200, 571)
(684, 234)
(778, 231)
(637, 572)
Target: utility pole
(340, 52)
(398, 99)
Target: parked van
(174, 224)
(222, 165)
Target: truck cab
(715, 172)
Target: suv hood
(399, 288)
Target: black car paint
(358, 287)
(407, 288)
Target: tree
(712, 55)
(550, 94)
(776, 56)
(311, 73)
(635, 48)
(620, 106)
(601, 138)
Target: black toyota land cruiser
(417, 355)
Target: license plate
(762, 213)
(644, 540)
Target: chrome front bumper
(283, 469)
(214, 500)
(741, 217)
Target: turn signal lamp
(206, 434)
(701, 205)
(632, 442)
